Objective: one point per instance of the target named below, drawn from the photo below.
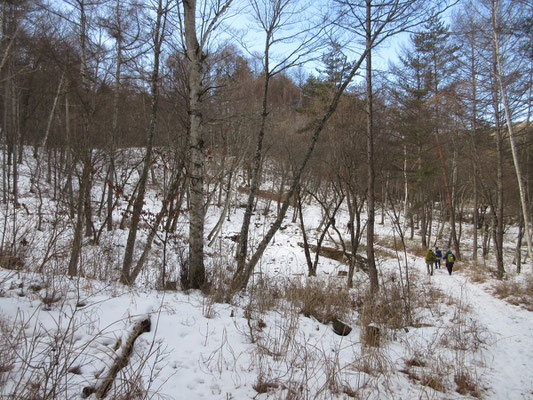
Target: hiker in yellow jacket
(430, 260)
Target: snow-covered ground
(63, 334)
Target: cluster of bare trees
(443, 136)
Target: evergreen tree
(438, 54)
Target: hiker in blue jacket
(449, 257)
(438, 253)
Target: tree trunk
(444, 174)
(159, 32)
(510, 130)
(196, 148)
(44, 140)
(78, 230)
(498, 213)
(311, 271)
(243, 238)
(406, 190)
(518, 251)
(114, 135)
(372, 270)
(69, 162)
(473, 138)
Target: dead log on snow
(120, 362)
(338, 255)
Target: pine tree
(439, 55)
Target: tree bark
(196, 148)
(372, 270)
(78, 230)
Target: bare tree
(374, 23)
(123, 25)
(158, 36)
(397, 13)
(499, 55)
(195, 43)
(83, 9)
(272, 16)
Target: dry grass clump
(466, 384)
(7, 350)
(264, 385)
(373, 362)
(382, 253)
(514, 292)
(267, 194)
(414, 247)
(465, 334)
(476, 272)
(415, 361)
(219, 276)
(101, 262)
(428, 297)
(322, 299)
(428, 368)
(389, 242)
(11, 261)
(434, 381)
(266, 293)
(390, 308)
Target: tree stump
(372, 335)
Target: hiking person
(449, 257)
(430, 260)
(438, 253)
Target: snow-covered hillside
(437, 337)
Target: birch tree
(196, 40)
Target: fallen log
(338, 255)
(120, 362)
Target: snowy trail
(510, 352)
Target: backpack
(451, 258)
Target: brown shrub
(466, 384)
(433, 381)
(324, 300)
(514, 292)
(11, 261)
(390, 307)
